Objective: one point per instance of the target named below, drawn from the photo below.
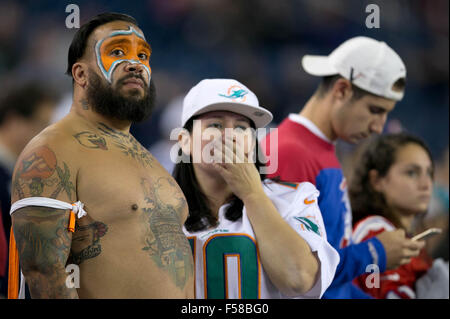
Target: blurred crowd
(258, 42)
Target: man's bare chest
(118, 176)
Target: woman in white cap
(250, 237)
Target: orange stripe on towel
(71, 227)
(13, 275)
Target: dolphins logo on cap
(235, 92)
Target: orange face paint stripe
(108, 73)
(123, 43)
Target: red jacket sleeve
(292, 162)
(3, 248)
(398, 283)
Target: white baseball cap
(224, 95)
(369, 64)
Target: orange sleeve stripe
(13, 275)
(71, 226)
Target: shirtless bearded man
(130, 244)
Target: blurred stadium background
(258, 42)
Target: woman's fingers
(235, 151)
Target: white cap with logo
(369, 64)
(224, 95)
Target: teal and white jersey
(226, 257)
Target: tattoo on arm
(86, 241)
(44, 242)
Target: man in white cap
(362, 81)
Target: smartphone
(428, 233)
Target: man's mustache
(130, 76)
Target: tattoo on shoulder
(38, 171)
(164, 240)
(126, 143)
(91, 140)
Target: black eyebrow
(381, 108)
(418, 167)
(148, 46)
(412, 165)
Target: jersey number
(216, 252)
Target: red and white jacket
(393, 284)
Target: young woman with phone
(391, 189)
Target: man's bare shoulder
(57, 135)
(47, 166)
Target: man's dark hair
(79, 42)
(24, 101)
(328, 81)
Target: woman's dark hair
(200, 215)
(379, 154)
(78, 45)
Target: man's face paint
(122, 46)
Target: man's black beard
(108, 101)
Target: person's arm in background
(5, 198)
(387, 250)
(354, 259)
(398, 282)
(3, 256)
(42, 237)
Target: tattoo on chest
(126, 143)
(39, 171)
(164, 240)
(86, 241)
(91, 140)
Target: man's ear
(80, 74)
(342, 90)
(376, 181)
